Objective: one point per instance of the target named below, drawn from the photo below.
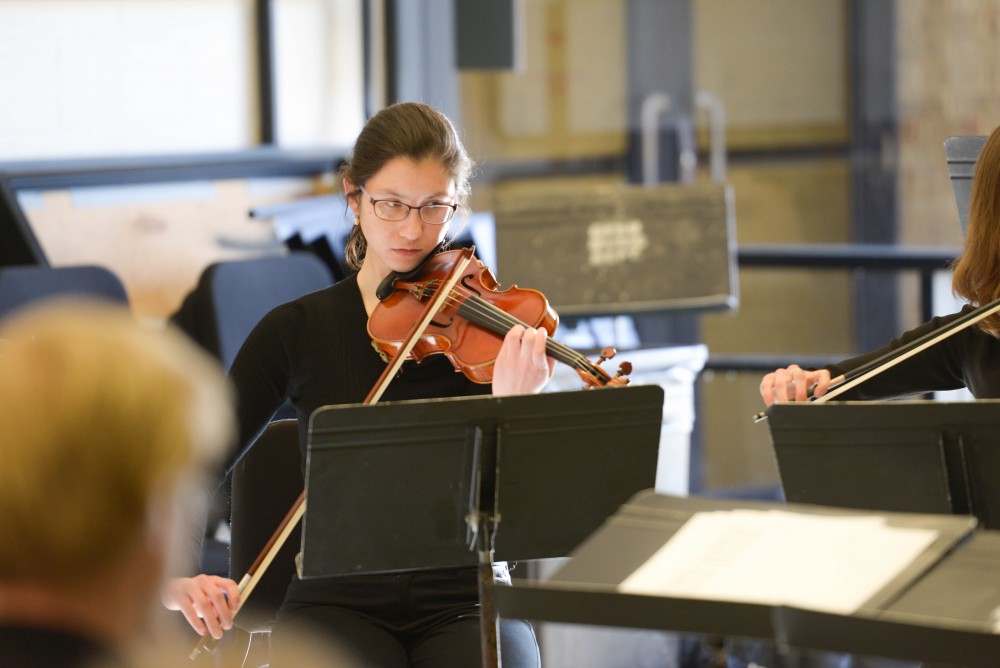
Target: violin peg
(607, 354)
(625, 369)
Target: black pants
(422, 619)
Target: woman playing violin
(969, 358)
(406, 178)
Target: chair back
(231, 297)
(22, 285)
(266, 482)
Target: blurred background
(156, 137)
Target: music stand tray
(404, 485)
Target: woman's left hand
(522, 366)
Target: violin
(470, 326)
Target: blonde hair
(977, 270)
(98, 415)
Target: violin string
(504, 321)
(499, 321)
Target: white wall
(86, 78)
(320, 76)
(125, 77)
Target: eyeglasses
(393, 211)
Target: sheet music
(776, 557)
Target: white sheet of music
(776, 557)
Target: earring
(357, 220)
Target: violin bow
(260, 565)
(256, 571)
(894, 357)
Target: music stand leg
(488, 620)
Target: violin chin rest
(386, 287)
(388, 284)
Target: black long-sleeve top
(316, 351)
(969, 358)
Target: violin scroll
(596, 376)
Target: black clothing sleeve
(969, 358)
(315, 351)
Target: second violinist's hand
(793, 383)
(208, 602)
(522, 366)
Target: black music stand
(937, 608)
(623, 249)
(424, 484)
(905, 456)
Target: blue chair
(22, 285)
(231, 298)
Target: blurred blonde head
(101, 419)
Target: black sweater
(316, 351)
(969, 359)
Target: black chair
(267, 480)
(231, 298)
(22, 285)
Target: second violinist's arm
(521, 366)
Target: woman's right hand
(793, 383)
(208, 602)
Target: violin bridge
(421, 291)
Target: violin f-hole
(442, 325)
